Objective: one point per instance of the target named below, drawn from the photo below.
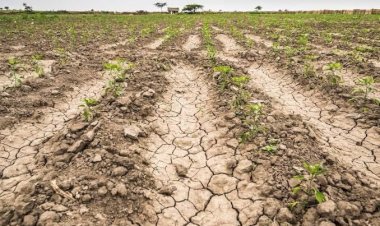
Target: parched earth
(167, 151)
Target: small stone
(55, 92)
(29, 220)
(133, 132)
(271, 119)
(322, 181)
(293, 182)
(97, 158)
(181, 170)
(65, 185)
(77, 146)
(167, 190)
(119, 171)
(86, 198)
(102, 191)
(121, 189)
(326, 208)
(271, 207)
(26, 88)
(150, 93)
(76, 127)
(221, 184)
(83, 209)
(59, 208)
(284, 215)
(100, 217)
(282, 147)
(48, 217)
(5, 94)
(326, 223)
(347, 178)
(233, 143)
(348, 209)
(216, 75)
(310, 217)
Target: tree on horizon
(160, 5)
(258, 8)
(192, 8)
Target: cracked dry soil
(341, 130)
(166, 153)
(195, 159)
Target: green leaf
(319, 196)
(292, 205)
(299, 177)
(295, 190)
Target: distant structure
(173, 10)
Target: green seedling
(119, 69)
(332, 75)
(303, 40)
(13, 62)
(224, 77)
(37, 67)
(364, 49)
(39, 71)
(328, 38)
(63, 55)
(87, 106)
(241, 99)
(115, 88)
(365, 86)
(312, 172)
(309, 70)
(270, 148)
(240, 81)
(254, 111)
(223, 69)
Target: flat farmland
(203, 119)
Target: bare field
(220, 119)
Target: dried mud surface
(340, 129)
(167, 152)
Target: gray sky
(227, 5)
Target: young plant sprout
(365, 87)
(87, 108)
(308, 182)
(224, 77)
(37, 67)
(114, 87)
(13, 62)
(240, 81)
(332, 75)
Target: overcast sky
(225, 5)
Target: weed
(115, 88)
(270, 148)
(13, 62)
(88, 111)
